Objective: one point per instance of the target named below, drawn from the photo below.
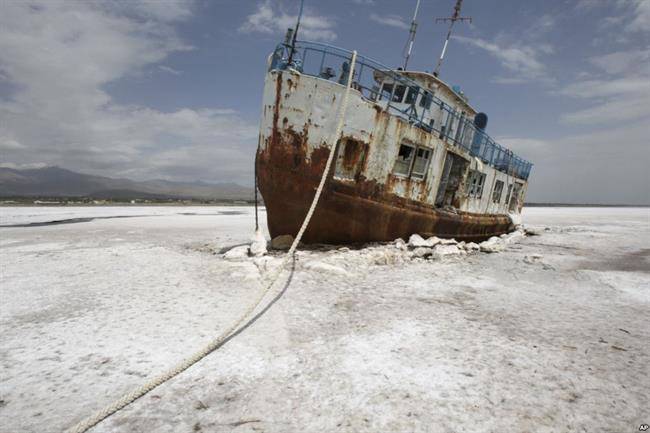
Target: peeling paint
(365, 201)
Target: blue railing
(401, 96)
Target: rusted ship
(413, 156)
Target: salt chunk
(400, 244)
(237, 253)
(319, 266)
(492, 245)
(514, 237)
(434, 240)
(422, 252)
(416, 241)
(282, 242)
(446, 250)
(258, 247)
(533, 258)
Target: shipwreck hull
(366, 198)
(351, 213)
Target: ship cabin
(455, 166)
(445, 110)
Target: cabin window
(412, 95)
(399, 93)
(508, 194)
(498, 190)
(426, 99)
(475, 182)
(421, 163)
(386, 90)
(404, 159)
(412, 161)
(516, 196)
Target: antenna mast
(452, 20)
(411, 39)
(295, 33)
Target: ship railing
(400, 96)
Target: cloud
(9, 143)
(631, 61)
(60, 55)
(620, 94)
(390, 20)
(169, 69)
(265, 19)
(521, 60)
(592, 167)
(631, 16)
(640, 22)
(167, 11)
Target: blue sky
(172, 89)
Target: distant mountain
(59, 182)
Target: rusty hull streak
(354, 211)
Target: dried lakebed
(549, 334)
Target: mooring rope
(129, 398)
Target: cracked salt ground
(539, 336)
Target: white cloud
(606, 88)
(640, 21)
(521, 60)
(169, 69)
(632, 61)
(9, 143)
(390, 20)
(602, 166)
(622, 94)
(60, 55)
(631, 16)
(266, 19)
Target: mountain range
(60, 182)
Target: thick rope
(127, 399)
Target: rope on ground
(129, 398)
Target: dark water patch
(225, 249)
(88, 219)
(69, 221)
(635, 261)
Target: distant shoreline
(582, 205)
(123, 204)
(54, 202)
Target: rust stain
(354, 154)
(348, 213)
(351, 212)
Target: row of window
(476, 182)
(413, 161)
(411, 95)
(449, 123)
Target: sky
(172, 89)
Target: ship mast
(411, 39)
(295, 33)
(452, 20)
